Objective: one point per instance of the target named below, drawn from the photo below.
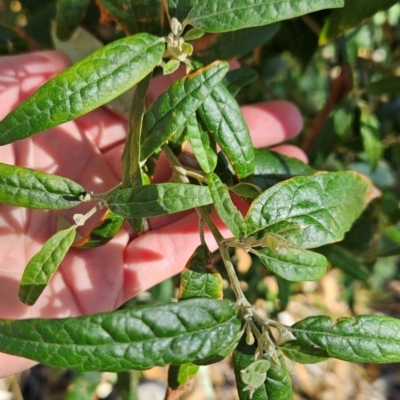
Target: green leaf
(171, 66)
(239, 78)
(154, 200)
(243, 356)
(179, 375)
(131, 171)
(180, 8)
(88, 84)
(69, 15)
(255, 375)
(200, 278)
(25, 187)
(363, 339)
(42, 266)
(120, 11)
(215, 16)
(278, 383)
(272, 167)
(132, 174)
(247, 190)
(384, 86)
(341, 258)
(294, 264)
(193, 34)
(228, 45)
(226, 210)
(370, 133)
(83, 386)
(134, 338)
(201, 146)
(283, 292)
(293, 350)
(221, 116)
(109, 225)
(352, 14)
(171, 110)
(313, 210)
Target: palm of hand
(87, 151)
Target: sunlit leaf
(25, 187)
(43, 265)
(201, 145)
(133, 338)
(153, 200)
(226, 210)
(200, 278)
(171, 110)
(215, 16)
(322, 207)
(88, 84)
(363, 339)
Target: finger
(21, 75)
(160, 254)
(272, 122)
(291, 151)
(10, 365)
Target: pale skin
(88, 151)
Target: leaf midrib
(45, 110)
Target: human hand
(88, 151)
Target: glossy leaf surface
(243, 356)
(216, 16)
(221, 115)
(171, 110)
(108, 226)
(352, 14)
(43, 265)
(226, 210)
(201, 145)
(272, 167)
(69, 15)
(25, 187)
(279, 383)
(134, 338)
(322, 207)
(88, 84)
(200, 278)
(153, 200)
(364, 339)
(293, 350)
(294, 264)
(228, 45)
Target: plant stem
(241, 298)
